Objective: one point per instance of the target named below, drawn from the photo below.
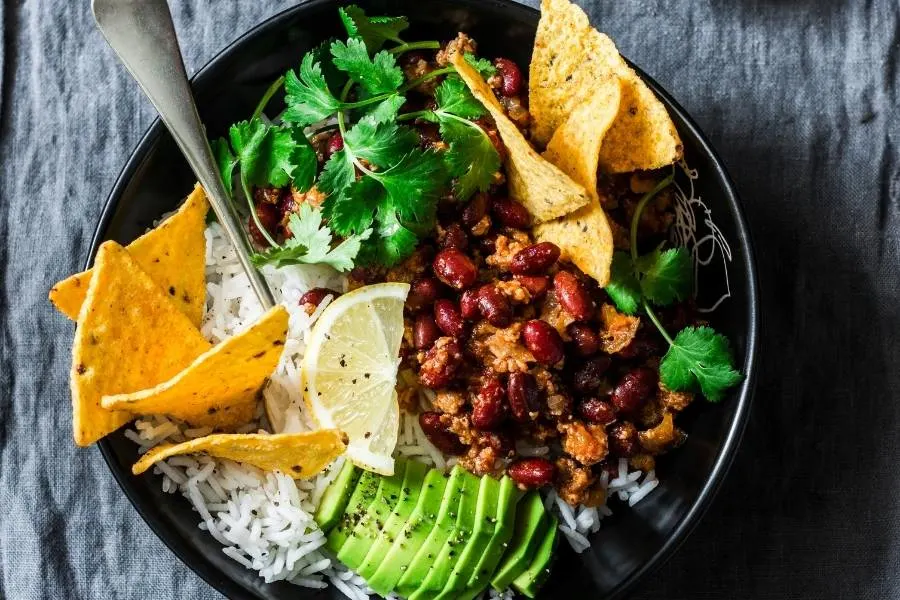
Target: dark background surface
(802, 100)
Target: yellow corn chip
(130, 336)
(219, 388)
(539, 186)
(173, 254)
(584, 236)
(300, 455)
(570, 61)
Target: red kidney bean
(446, 441)
(448, 318)
(532, 472)
(510, 213)
(423, 292)
(634, 389)
(535, 284)
(524, 397)
(584, 339)
(494, 306)
(268, 218)
(475, 209)
(589, 376)
(642, 346)
(573, 296)
(455, 269)
(468, 305)
(534, 260)
(455, 237)
(543, 341)
(425, 332)
(487, 244)
(316, 295)
(442, 362)
(511, 75)
(597, 411)
(623, 440)
(335, 144)
(488, 409)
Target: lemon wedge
(350, 372)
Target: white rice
(265, 521)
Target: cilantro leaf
(699, 357)
(333, 76)
(272, 155)
(374, 31)
(454, 97)
(385, 111)
(353, 210)
(623, 286)
(414, 185)
(484, 67)
(311, 244)
(307, 95)
(392, 243)
(226, 161)
(247, 138)
(666, 276)
(471, 158)
(381, 144)
(338, 173)
(376, 75)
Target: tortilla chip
(539, 186)
(219, 388)
(570, 61)
(584, 236)
(300, 455)
(130, 336)
(173, 254)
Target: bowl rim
(726, 454)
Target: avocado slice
(509, 496)
(364, 534)
(362, 496)
(477, 544)
(409, 496)
(336, 497)
(531, 525)
(414, 533)
(529, 582)
(444, 525)
(447, 559)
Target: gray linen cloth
(801, 99)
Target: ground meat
(573, 481)
(674, 401)
(441, 363)
(462, 43)
(542, 433)
(516, 111)
(312, 196)
(659, 438)
(618, 329)
(500, 349)
(411, 268)
(514, 291)
(480, 228)
(449, 401)
(408, 399)
(505, 247)
(415, 65)
(642, 462)
(480, 460)
(586, 443)
(460, 425)
(556, 316)
(558, 402)
(651, 413)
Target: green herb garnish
(698, 357)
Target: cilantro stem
(428, 45)
(273, 89)
(414, 115)
(255, 216)
(404, 88)
(636, 219)
(662, 330)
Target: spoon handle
(141, 32)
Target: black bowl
(633, 541)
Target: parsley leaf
(374, 31)
(484, 67)
(699, 357)
(471, 158)
(226, 161)
(666, 276)
(311, 244)
(623, 286)
(376, 75)
(454, 97)
(307, 95)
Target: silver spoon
(141, 32)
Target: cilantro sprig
(698, 358)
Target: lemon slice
(350, 371)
